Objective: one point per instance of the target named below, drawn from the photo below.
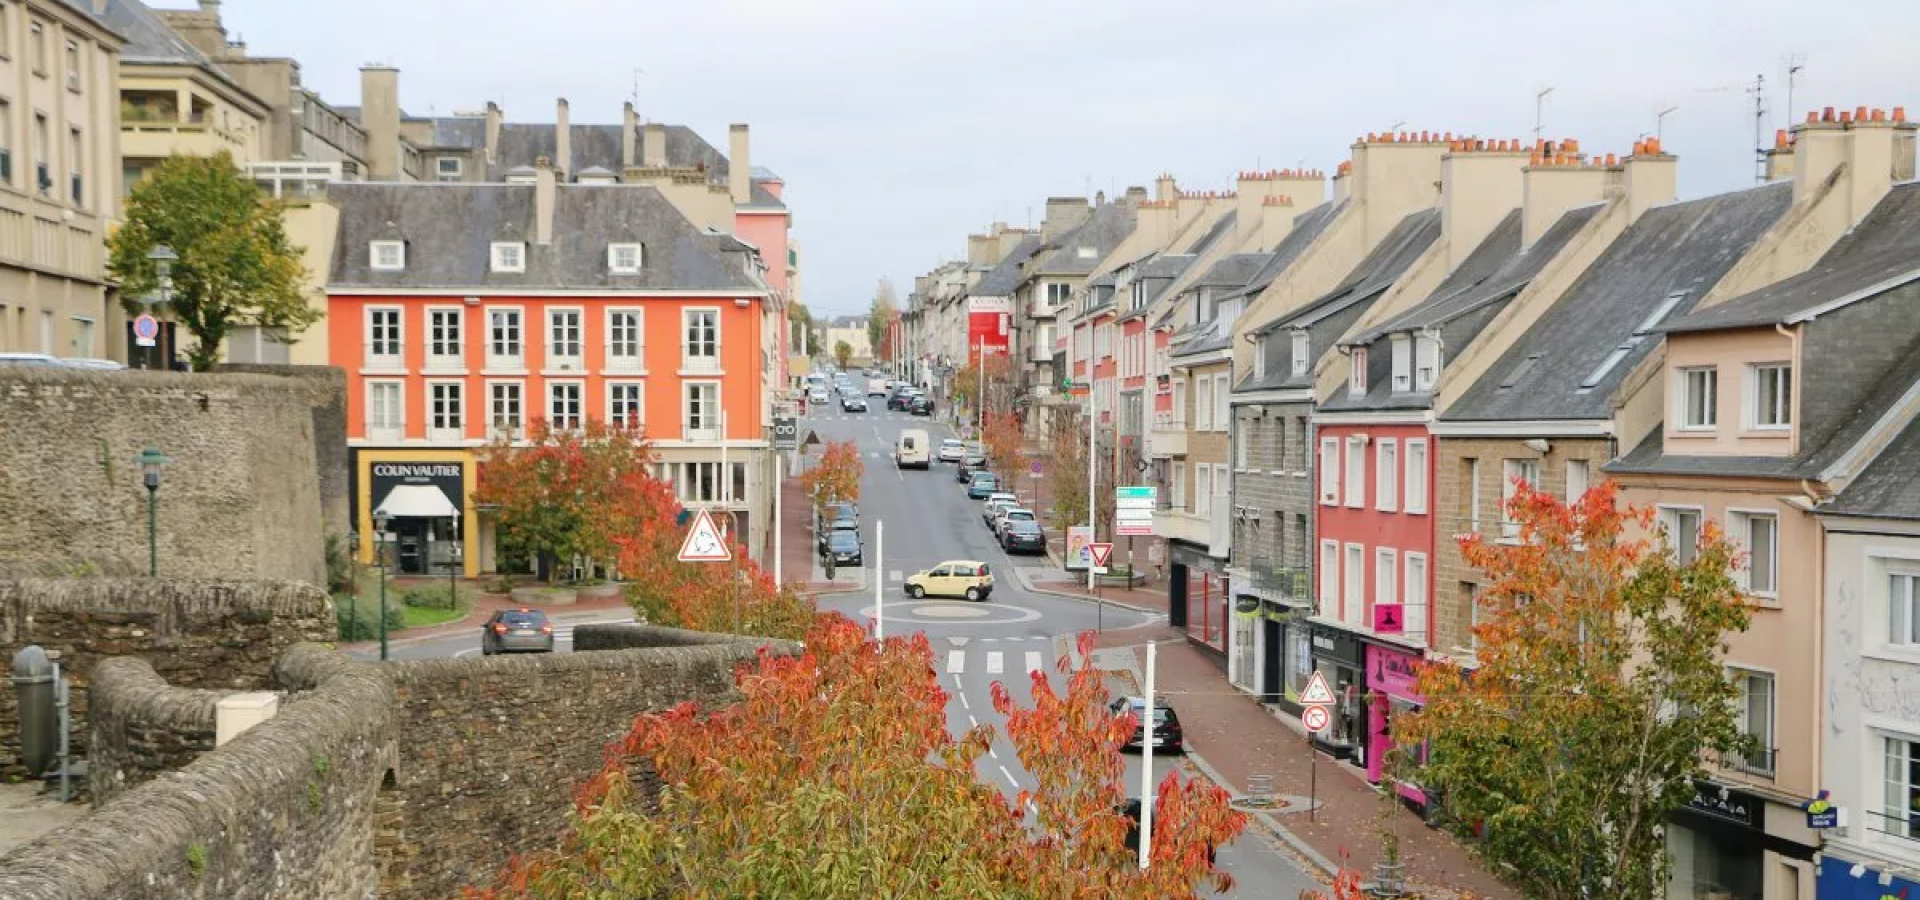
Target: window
(42, 153)
(1260, 361)
(383, 338)
(1759, 535)
(1386, 475)
(1699, 400)
(505, 412)
(1578, 474)
(37, 34)
(1179, 492)
(1471, 591)
(701, 352)
(1354, 579)
(1901, 778)
(503, 339)
(1683, 532)
(1772, 396)
(387, 256)
(1242, 441)
(386, 415)
(6, 144)
(1903, 609)
(563, 338)
(1203, 404)
(1179, 404)
(1754, 717)
(443, 338)
(1386, 576)
(509, 256)
(73, 65)
(444, 411)
(1515, 471)
(1203, 490)
(1416, 476)
(1402, 364)
(626, 403)
(1222, 402)
(449, 168)
(1414, 597)
(563, 405)
(1058, 294)
(1300, 351)
(1329, 579)
(703, 411)
(1357, 372)
(626, 350)
(76, 167)
(1470, 473)
(623, 259)
(1352, 485)
(1426, 362)
(82, 343)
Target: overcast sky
(901, 125)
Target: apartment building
(851, 331)
(573, 302)
(59, 149)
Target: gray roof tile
(1003, 279)
(1889, 487)
(1213, 234)
(1109, 224)
(150, 40)
(1306, 229)
(1232, 271)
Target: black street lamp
(380, 548)
(151, 462)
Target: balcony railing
(1290, 583)
(386, 431)
(1759, 762)
(1905, 826)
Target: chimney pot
(1899, 114)
(1780, 139)
(1826, 115)
(1879, 115)
(1812, 117)
(1860, 114)
(1845, 117)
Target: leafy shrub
(361, 621)
(437, 596)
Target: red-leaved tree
(551, 490)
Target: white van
(914, 449)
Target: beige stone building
(59, 153)
(175, 99)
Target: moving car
(853, 403)
(920, 405)
(520, 630)
(966, 578)
(982, 485)
(952, 450)
(845, 548)
(914, 450)
(900, 397)
(817, 396)
(1166, 725)
(1023, 535)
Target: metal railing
(1905, 826)
(1758, 762)
(1289, 582)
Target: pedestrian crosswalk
(564, 632)
(995, 662)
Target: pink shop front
(1392, 679)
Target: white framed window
(509, 256)
(383, 337)
(1386, 575)
(564, 412)
(506, 410)
(563, 338)
(1300, 350)
(1759, 535)
(1203, 404)
(1416, 475)
(626, 403)
(386, 411)
(81, 343)
(444, 337)
(446, 411)
(626, 340)
(623, 259)
(449, 168)
(1682, 525)
(1179, 493)
(1900, 780)
(506, 348)
(1222, 402)
(1471, 475)
(1357, 372)
(1222, 487)
(1402, 364)
(1754, 716)
(1353, 578)
(1203, 490)
(1243, 442)
(1413, 598)
(1353, 480)
(1771, 396)
(1903, 607)
(1260, 360)
(701, 410)
(1329, 579)
(1386, 475)
(1699, 397)
(1426, 363)
(1512, 473)
(1058, 295)
(387, 256)
(1180, 418)
(700, 337)
(1579, 473)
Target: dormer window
(387, 256)
(509, 256)
(623, 259)
(1357, 382)
(1426, 362)
(1088, 253)
(1402, 364)
(1299, 353)
(1260, 361)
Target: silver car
(520, 630)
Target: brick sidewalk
(1238, 737)
(796, 548)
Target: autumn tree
(1067, 472)
(842, 351)
(553, 490)
(834, 776)
(1001, 438)
(836, 477)
(1600, 689)
(236, 265)
(880, 318)
(994, 373)
(802, 318)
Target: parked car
(1166, 725)
(853, 403)
(1131, 810)
(1023, 535)
(522, 630)
(845, 548)
(996, 501)
(1009, 515)
(920, 405)
(952, 450)
(966, 578)
(982, 485)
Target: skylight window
(1088, 253)
(1640, 334)
(1606, 365)
(1519, 371)
(1660, 313)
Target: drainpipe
(1793, 335)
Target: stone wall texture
(325, 391)
(219, 635)
(142, 726)
(239, 498)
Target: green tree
(880, 319)
(236, 265)
(842, 351)
(1600, 690)
(798, 314)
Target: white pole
(726, 482)
(779, 570)
(981, 401)
(879, 598)
(1146, 766)
(1093, 465)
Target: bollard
(33, 680)
(1260, 787)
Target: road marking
(972, 722)
(993, 753)
(1033, 661)
(956, 662)
(996, 662)
(957, 641)
(467, 652)
(963, 701)
(895, 575)
(956, 682)
(1010, 779)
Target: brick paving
(796, 549)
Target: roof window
(623, 259)
(387, 256)
(509, 256)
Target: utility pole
(1146, 765)
(879, 598)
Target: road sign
(1100, 553)
(1317, 692)
(1133, 510)
(1033, 468)
(812, 440)
(145, 329)
(1316, 718)
(786, 432)
(704, 543)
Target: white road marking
(963, 701)
(972, 722)
(956, 682)
(993, 753)
(957, 641)
(1033, 661)
(956, 662)
(996, 662)
(1010, 779)
(895, 575)
(467, 652)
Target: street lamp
(151, 462)
(380, 520)
(163, 258)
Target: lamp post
(380, 519)
(151, 462)
(163, 258)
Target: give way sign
(1100, 553)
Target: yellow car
(953, 578)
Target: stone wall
(239, 498)
(1277, 449)
(200, 634)
(325, 391)
(142, 726)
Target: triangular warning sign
(1317, 691)
(1100, 553)
(704, 543)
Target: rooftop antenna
(1660, 122)
(1539, 112)
(1795, 63)
(635, 96)
(1759, 91)
(1397, 125)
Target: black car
(853, 403)
(920, 405)
(1023, 536)
(899, 399)
(1166, 725)
(844, 547)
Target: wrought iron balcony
(1289, 584)
(1758, 762)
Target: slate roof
(1212, 235)
(1232, 271)
(85, 9)
(1109, 224)
(1003, 279)
(149, 40)
(459, 132)
(1306, 229)
(449, 230)
(1889, 487)
(1884, 247)
(1673, 255)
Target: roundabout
(941, 612)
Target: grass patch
(424, 616)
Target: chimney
(1478, 188)
(1008, 238)
(1550, 189)
(1275, 221)
(1780, 157)
(1651, 177)
(739, 164)
(1156, 222)
(1187, 207)
(653, 149)
(1343, 181)
(1879, 153)
(628, 122)
(1064, 214)
(1394, 176)
(1164, 189)
(563, 139)
(1819, 147)
(980, 249)
(493, 132)
(1136, 195)
(543, 191)
(380, 116)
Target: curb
(1143, 610)
(1267, 820)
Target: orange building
(464, 312)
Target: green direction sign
(1135, 493)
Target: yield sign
(1100, 553)
(704, 543)
(1317, 691)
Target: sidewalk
(797, 556)
(1236, 736)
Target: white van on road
(914, 450)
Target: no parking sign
(145, 329)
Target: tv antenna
(1660, 121)
(1539, 112)
(1795, 63)
(1759, 91)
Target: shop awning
(416, 501)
